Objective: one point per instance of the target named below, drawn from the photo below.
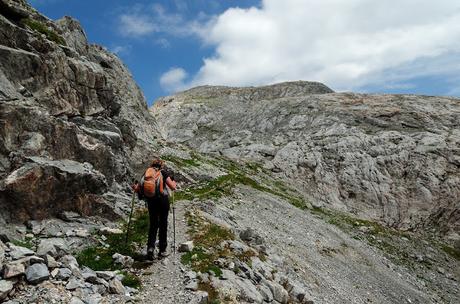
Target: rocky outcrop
(73, 121)
(391, 158)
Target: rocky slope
(73, 121)
(390, 158)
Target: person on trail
(153, 188)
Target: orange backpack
(152, 183)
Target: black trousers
(158, 215)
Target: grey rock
(55, 247)
(193, 285)
(106, 275)
(51, 262)
(89, 275)
(74, 283)
(63, 274)
(108, 230)
(5, 288)
(341, 155)
(116, 287)
(37, 273)
(11, 270)
(76, 300)
(69, 261)
(70, 216)
(125, 261)
(17, 252)
(248, 291)
(203, 297)
(279, 293)
(266, 293)
(69, 104)
(186, 246)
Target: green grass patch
(182, 162)
(96, 258)
(27, 243)
(206, 237)
(43, 29)
(131, 280)
(99, 257)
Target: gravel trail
(165, 280)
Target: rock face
(72, 120)
(391, 158)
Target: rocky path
(165, 280)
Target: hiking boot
(150, 256)
(163, 254)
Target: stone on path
(116, 287)
(186, 246)
(37, 273)
(13, 270)
(5, 288)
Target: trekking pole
(130, 215)
(174, 225)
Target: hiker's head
(157, 163)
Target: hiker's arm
(171, 183)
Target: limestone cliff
(391, 158)
(72, 118)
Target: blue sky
(403, 46)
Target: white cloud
(173, 79)
(143, 21)
(136, 25)
(345, 44)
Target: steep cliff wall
(72, 118)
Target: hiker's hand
(135, 187)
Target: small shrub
(43, 29)
(131, 280)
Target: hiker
(154, 190)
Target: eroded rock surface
(391, 158)
(72, 120)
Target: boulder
(74, 283)
(278, 291)
(5, 288)
(106, 275)
(108, 230)
(266, 293)
(51, 262)
(76, 300)
(203, 297)
(17, 252)
(54, 247)
(13, 269)
(186, 246)
(63, 274)
(89, 275)
(193, 285)
(124, 261)
(37, 273)
(52, 186)
(116, 287)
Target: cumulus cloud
(346, 44)
(173, 79)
